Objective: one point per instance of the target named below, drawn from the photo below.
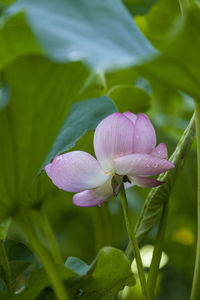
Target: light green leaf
(175, 67)
(16, 39)
(87, 31)
(131, 98)
(108, 274)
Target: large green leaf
(128, 97)
(157, 196)
(16, 40)
(175, 67)
(108, 274)
(158, 21)
(101, 32)
(82, 117)
(41, 94)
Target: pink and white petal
(48, 169)
(94, 197)
(141, 164)
(113, 138)
(144, 135)
(130, 116)
(76, 171)
(160, 151)
(147, 182)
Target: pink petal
(48, 169)
(76, 171)
(144, 135)
(130, 116)
(160, 151)
(94, 197)
(141, 164)
(113, 138)
(146, 182)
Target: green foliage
(46, 48)
(82, 117)
(175, 67)
(101, 278)
(85, 36)
(128, 97)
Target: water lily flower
(126, 152)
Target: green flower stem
(46, 226)
(5, 266)
(26, 222)
(155, 262)
(195, 295)
(134, 244)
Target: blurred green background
(37, 88)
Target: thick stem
(46, 226)
(195, 295)
(155, 262)
(134, 244)
(27, 225)
(5, 266)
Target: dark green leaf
(82, 117)
(101, 33)
(139, 7)
(17, 251)
(128, 97)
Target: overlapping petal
(113, 138)
(94, 197)
(160, 151)
(76, 171)
(144, 135)
(141, 164)
(130, 116)
(146, 182)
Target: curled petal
(144, 135)
(146, 182)
(113, 138)
(94, 197)
(76, 171)
(160, 151)
(141, 164)
(130, 116)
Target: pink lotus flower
(125, 147)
